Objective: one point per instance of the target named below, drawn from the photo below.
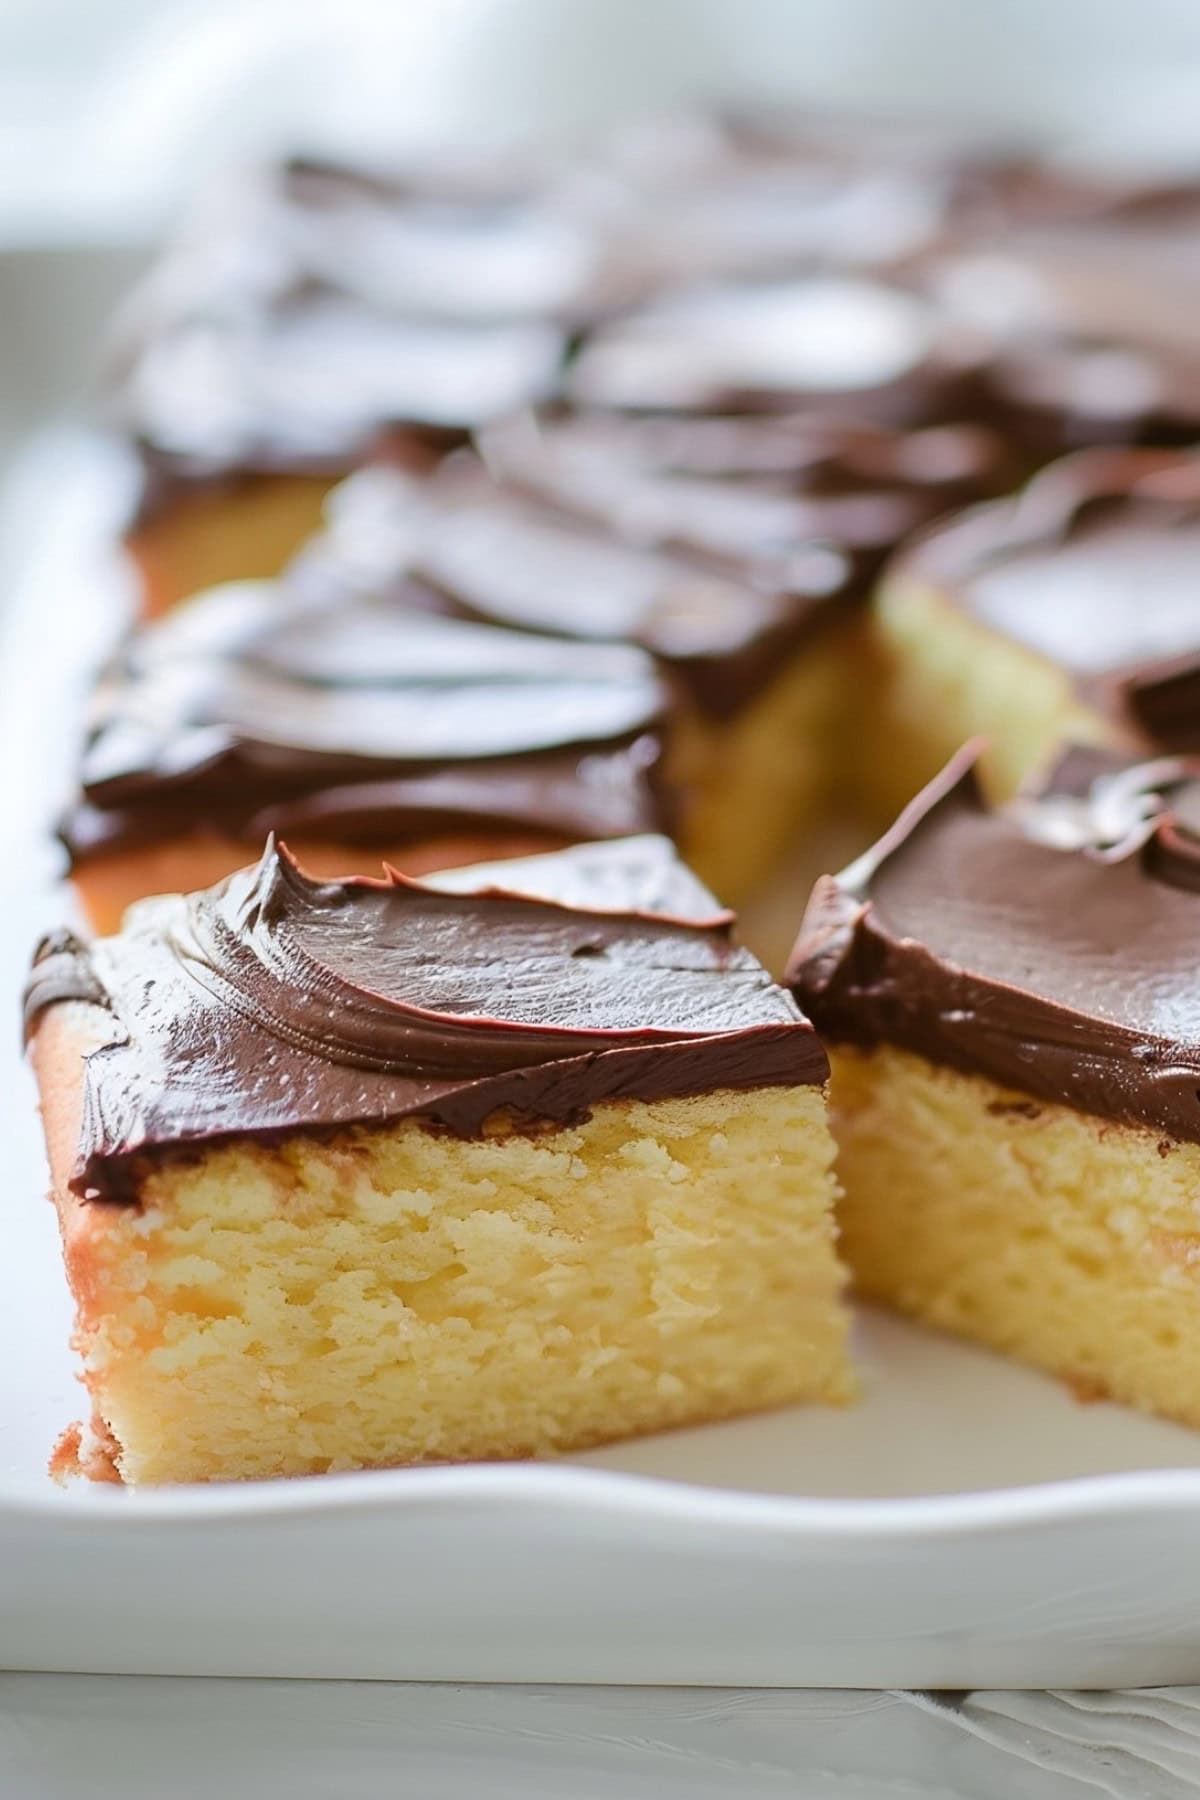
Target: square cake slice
(1011, 1000)
(1064, 613)
(370, 1172)
(362, 727)
(738, 552)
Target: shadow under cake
(366, 1173)
(361, 729)
(1011, 1004)
(737, 551)
(1069, 612)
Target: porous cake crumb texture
(1064, 1240)
(399, 1295)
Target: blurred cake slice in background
(363, 728)
(1067, 613)
(310, 310)
(739, 552)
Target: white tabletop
(66, 1737)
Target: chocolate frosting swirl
(272, 1003)
(727, 195)
(1093, 567)
(460, 239)
(484, 552)
(360, 718)
(1050, 946)
(668, 533)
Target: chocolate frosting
(1094, 568)
(272, 1004)
(709, 196)
(356, 717)
(1090, 322)
(741, 192)
(309, 307)
(459, 239)
(488, 553)
(1050, 946)
(787, 501)
(855, 349)
(666, 533)
(315, 387)
(485, 552)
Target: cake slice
(307, 308)
(1011, 1001)
(231, 488)
(738, 552)
(376, 1172)
(1068, 612)
(363, 727)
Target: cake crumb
(64, 1458)
(1088, 1390)
(1015, 1109)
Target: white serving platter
(969, 1524)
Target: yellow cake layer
(248, 530)
(1056, 1237)
(765, 777)
(400, 1295)
(947, 678)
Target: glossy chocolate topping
(786, 500)
(488, 552)
(361, 718)
(316, 386)
(307, 308)
(459, 239)
(667, 533)
(854, 349)
(1094, 567)
(271, 1004)
(304, 310)
(704, 196)
(1050, 947)
(736, 193)
(1090, 321)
